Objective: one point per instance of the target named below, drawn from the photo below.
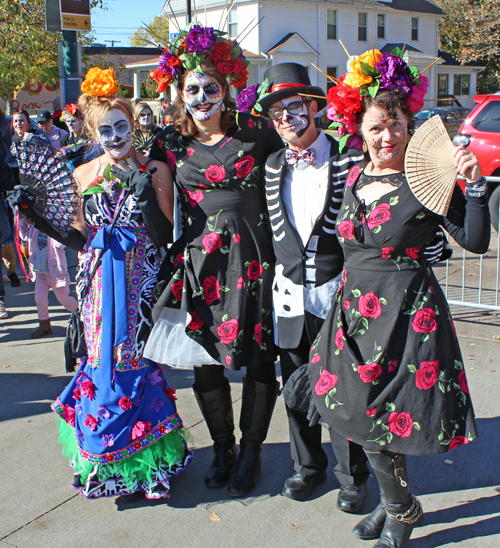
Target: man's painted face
(202, 95)
(73, 122)
(145, 117)
(291, 113)
(115, 133)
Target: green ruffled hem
(167, 452)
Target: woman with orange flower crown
(215, 308)
(118, 421)
(386, 370)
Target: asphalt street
(459, 491)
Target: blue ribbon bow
(114, 293)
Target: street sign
(52, 15)
(75, 15)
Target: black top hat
(288, 79)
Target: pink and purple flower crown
(191, 47)
(368, 75)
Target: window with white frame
(461, 84)
(362, 27)
(233, 23)
(414, 28)
(380, 25)
(331, 71)
(331, 24)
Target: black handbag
(74, 343)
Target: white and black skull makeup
(145, 117)
(297, 117)
(203, 96)
(73, 122)
(115, 133)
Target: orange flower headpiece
(100, 82)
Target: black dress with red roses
(386, 368)
(221, 270)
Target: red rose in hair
(400, 424)
(427, 375)
(462, 381)
(258, 333)
(177, 288)
(345, 99)
(369, 372)
(369, 305)
(325, 383)
(457, 441)
(339, 341)
(413, 252)
(379, 215)
(346, 229)
(424, 321)
(196, 322)
(211, 289)
(225, 67)
(215, 174)
(255, 270)
(228, 331)
(241, 80)
(221, 50)
(244, 166)
(211, 242)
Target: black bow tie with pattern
(307, 156)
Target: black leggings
(212, 377)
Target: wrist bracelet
(476, 189)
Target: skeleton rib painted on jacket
(307, 274)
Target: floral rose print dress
(386, 369)
(216, 306)
(120, 427)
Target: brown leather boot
(43, 329)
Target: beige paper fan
(429, 166)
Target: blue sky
(122, 18)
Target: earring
(223, 107)
(365, 147)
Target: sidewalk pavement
(459, 491)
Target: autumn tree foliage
(155, 33)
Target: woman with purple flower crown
(215, 308)
(386, 369)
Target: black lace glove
(23, 200)
(436, 250)
(141, 184)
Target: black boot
(370, 527)
(403, 511)
(217, 409)
(256, 412)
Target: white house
(311, 31)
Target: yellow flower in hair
(371, 57)
(355, 78)
(100, 82)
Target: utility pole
(188, 11)
(113, 42)
(71, 77)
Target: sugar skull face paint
(293, 114)
(115, 133)
(73, 122)
(145, 117)
(202, 95)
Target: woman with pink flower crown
(215, 307)
(386, 369)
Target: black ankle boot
(256, 412)
(217, 409)
(370, 527)
(403, 511)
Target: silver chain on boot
(411, 515)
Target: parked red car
(480, 132)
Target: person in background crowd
(45, 123)
(166, 103)
(49, 270)
(168, 116)
(145, 128)
(74, 144)
(6, 181)
(57, 116)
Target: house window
(331, 71)
(461, 84)
(443, 91)
(414, 28)
(233, 23)
(331, 24)
(362, 27)
(381, 26)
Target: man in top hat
(46, 124)
(304, 187)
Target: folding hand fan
(55, 192)
(429, 166)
